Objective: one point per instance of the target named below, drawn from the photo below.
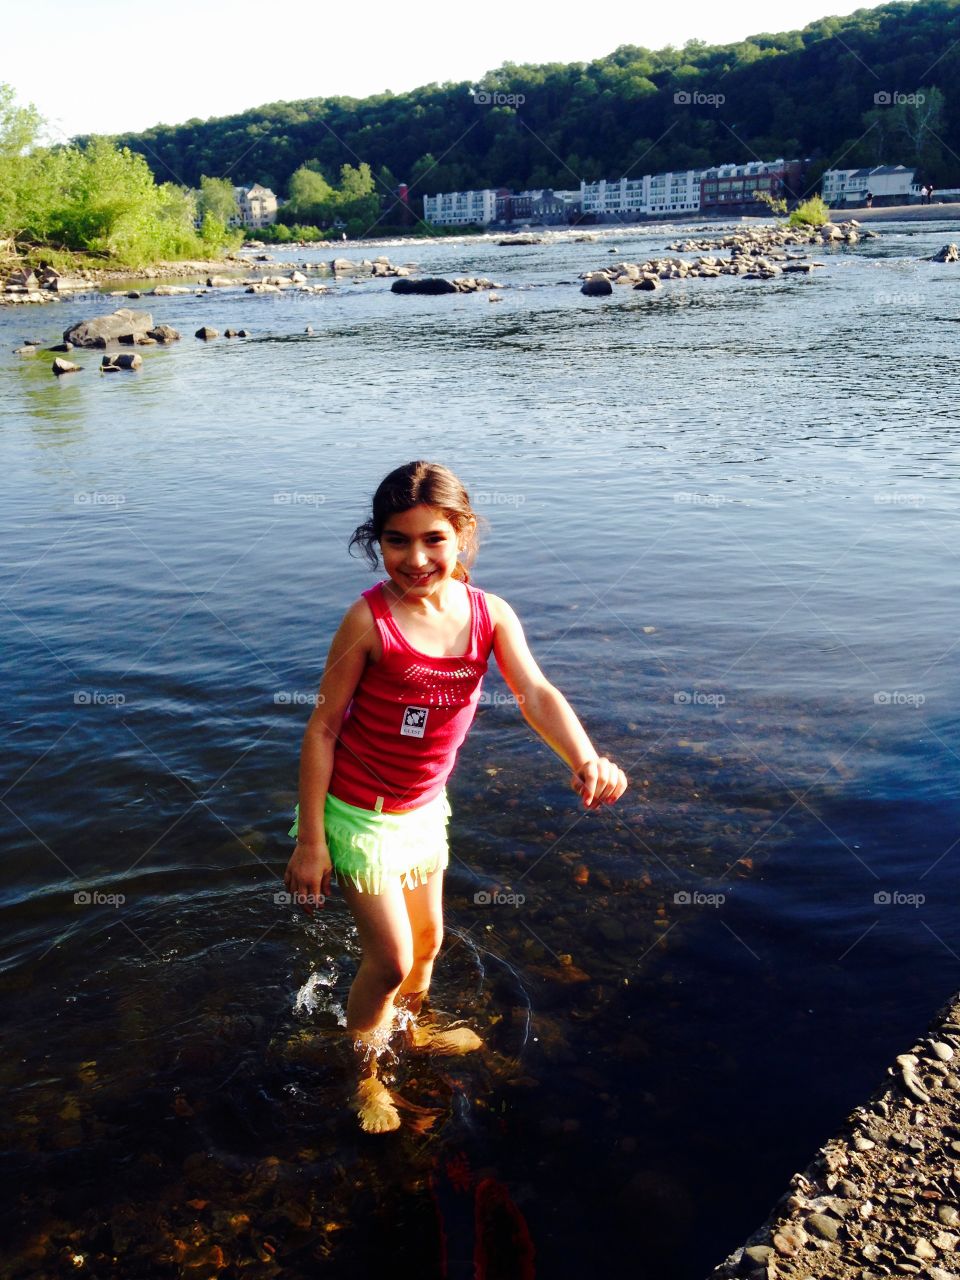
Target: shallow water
(726, 514)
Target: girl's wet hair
(429, 484)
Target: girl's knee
(388, 969)
(427, 942)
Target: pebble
(954, 1148)
(823, 1226)
(948, 1215)
(863, 1144)
(923, 1249)
(953, 1081)
(940, 1050)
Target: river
(726, 514)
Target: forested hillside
(841, 91)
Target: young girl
(398, 694)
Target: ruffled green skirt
(371, 849)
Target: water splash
(309, 999)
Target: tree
(217, 200)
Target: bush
(811, 213)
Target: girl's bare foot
(451, 1043)
(375, 1109)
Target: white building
(890, 182)
(461, 208)
(257, 205)
(660, 193)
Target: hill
(842, 91)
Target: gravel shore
(882, 1198)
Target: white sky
(109, 66)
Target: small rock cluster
(883, 1198)
(763, 238)
(23, 285)
(437, 284)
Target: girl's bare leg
(387, 945)
(424, 906)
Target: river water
(726, 514)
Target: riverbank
(882, 1197)
(904, 213)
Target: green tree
(217, 200)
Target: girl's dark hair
(414, 484)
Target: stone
(789, 1239)
(163, 333)
(949, 253)
(21, 280)
(101, 330)
(596, 286)
(219, 282)
(61, 346)
(822, 1226)
(121, 360)
(650, 283)
(757, 1261)
(61, 366)
(426, 284)
(948, 1215)
(941, 1051)
(242, 333)
(922, 1248)
(170, 290)
(207, 334)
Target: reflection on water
(726, 514)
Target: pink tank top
(409, 715)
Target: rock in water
(60, 366)
(163, 333)
(207, 334)
(949, 253)
(123, 360)
(596, 286)
(103, 329)
(427, 284)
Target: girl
(398, 694)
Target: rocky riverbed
(882, 1198)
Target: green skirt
(371, 848)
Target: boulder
(103, 329)
(949, 253)
(121, 360)
(426, 284)
(22, 280)
(650, 283)
(596, 286)
(163, 333)
(206, 333)
(170, 290)
(219, 282)
(61, 346)
(60, 366)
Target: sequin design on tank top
(440, 688)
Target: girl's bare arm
(309, 869)
(595, 778)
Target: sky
(112, 67)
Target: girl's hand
(307, 876)
(599, 781)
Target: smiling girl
(398, 694)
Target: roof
(881, 170)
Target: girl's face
(419, 549)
